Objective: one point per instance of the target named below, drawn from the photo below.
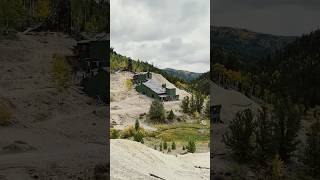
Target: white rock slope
(133, 160)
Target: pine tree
(185, 104)
(264, 135)
(191, 147)
(241, 131)
(138, 136)
(173, 146)
(193, 104)
(137, 125)
(160, 146)
(199, 99)
(157, 112)
(312, 149)
(207, 109)
(171, 115)
(287, 124)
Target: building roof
(154, 86)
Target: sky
(167, 33)
(280, 17)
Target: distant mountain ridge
(249, 47)
(185, 75)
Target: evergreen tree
(241, 131)
(160, 146)
(312, 149)
(138, 136)
(173, 146)
(199, 99)
(207, 109)
(137, 125)
(193, 104)
(191, 147)
(287, 124)
(171, 115)
(157, 112)
(185, 104)
(264, 135)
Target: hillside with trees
(241, 49)
(72, 16)
(185, 75)
(284, 82)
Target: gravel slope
(46, 139)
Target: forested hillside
(294, 71)
(285, 84)
(241, 49)
(73, 15)
(291, 71)
(120, 62)
(185, 75)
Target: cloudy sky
(282, 17)
(168, 33)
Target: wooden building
(151, 88)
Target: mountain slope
(185, 75)
(243, 48)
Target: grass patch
(5, 115)
(183, 132)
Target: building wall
(99, 49)
(171, 92)
(147, 91)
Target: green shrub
(128, 132)
(114, 133)
(138, 136)
(157, 112)
(169, 149)
(173, 145)
(183, 147)
(191, 147)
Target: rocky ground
(127, 104)
(46, 140)
(133, 160)
(232, 102)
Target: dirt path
(46, 139)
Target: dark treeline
(76, 15)
(290, 72)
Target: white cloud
(173, 34)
